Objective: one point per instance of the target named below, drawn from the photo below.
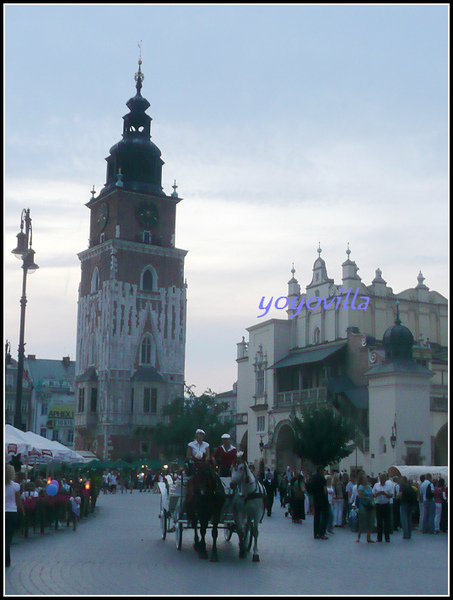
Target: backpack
(429, 492)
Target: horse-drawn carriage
(207, 501)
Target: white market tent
(58, 452)
(36, 449)
(15, 442)
(414, 472)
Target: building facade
(323, 353)
(131, 323)
(47, 397)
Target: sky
(285, 126)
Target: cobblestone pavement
(119, 551)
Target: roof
(147, 374)
(357, 394)
(41, 369)
(310, 355)
(400, 366)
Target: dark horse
(205, 498)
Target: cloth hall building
(385, 364)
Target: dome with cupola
(135, 162)
(398, 340)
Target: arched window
(148, 281)
(316, 336)
(95, 281)
(147, 351)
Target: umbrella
(51, 450)
(15, 442)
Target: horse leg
(254, 533)
(214, 556)
(202, 552)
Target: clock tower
(131, 322)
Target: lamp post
(24, 252)
(393, 436)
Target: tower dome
(398, 340)
(135, 161)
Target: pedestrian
(396, 505)
(338, 501)
(407, 500)
(383, 493)
(317, 486)
(269, 487)
(13, 505)
(76, 501)
(438, 499)
(283, 489)
(429, 506)
(298, 498)
(330, 495)
(421, 505)
(366, 508)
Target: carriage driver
(198, 449)
(225, 455)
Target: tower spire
(139, 77)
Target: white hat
(226, 436)
(200, 431)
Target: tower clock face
(147, 213)
(103, 215)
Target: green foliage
(322, 436)
(185, 416)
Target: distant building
(10, 394)
(229, 414)
(47, 397)
(327, 352)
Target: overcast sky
(284, 126)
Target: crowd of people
(43, 502)
(365, 504)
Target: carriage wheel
(163, 522)
(179, 536)
(228, 532)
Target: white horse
(248, 507)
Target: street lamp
(25, 252)
(393, 436)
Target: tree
(322, 435)
(186, 415)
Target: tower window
(149, 280)
(147, 237)
(95, 281)
(147, 351)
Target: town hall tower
(131, 322)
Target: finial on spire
(293, 270)
(93, 191)
(319, 250)
(397, 319)
(348, 251)
(175, 187)
(139, 77)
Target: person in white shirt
(383, 493)
(13, 505)
(198, 449)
